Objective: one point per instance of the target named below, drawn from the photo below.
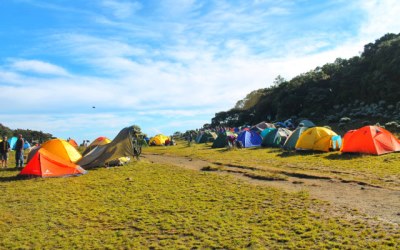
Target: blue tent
(280, 125)
(249, 139)
(12, 142)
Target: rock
(344, 119)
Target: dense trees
(373, 77)
(30, 135)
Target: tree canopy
(368, 79)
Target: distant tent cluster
(307, 137)
(57, 157)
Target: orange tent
(46, 164)
(62, 149)
(73, 143)
(370, 140)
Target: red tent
(46, 164)
(370, 140)
(73, 143)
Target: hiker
(190, 139)
(19, 152)
(4, 149)
(231, 141)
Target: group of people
(19, 152)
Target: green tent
(101, 155)
(276, 137)
(291, 141)
(222, 139)
(206, 136)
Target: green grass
(381, 170)
(143, 205)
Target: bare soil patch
(371, 202)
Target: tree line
(27, 134)
(372, 77)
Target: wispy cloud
(381, 17)
(121, 9)
(36, 66)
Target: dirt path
(373, 202)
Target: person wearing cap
(4, 149)
(19, 152)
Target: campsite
(186, 124)
(202, 196)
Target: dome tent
(276, 137)
(46, 164)
(62, 149)
(318, 138)
(370, 140)
(249, 139)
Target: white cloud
(382, 16)
(122, 9)
(36, 66)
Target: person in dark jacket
(19, 152)
(4, 149)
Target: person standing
(19, 152)
(190, 139)
(4, 149)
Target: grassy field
(381, 170)
(143, 205)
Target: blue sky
(165, 65)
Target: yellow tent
(158, 140)
(102, 140)
(316, 138)
(62, 149)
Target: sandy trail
(374, 202)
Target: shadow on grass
(285, 154)
(12, 178)
(344, 156)
(10, 169)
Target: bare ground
(346, 199)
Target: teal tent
(306, 123)
(276, 137)
(291, 141)
(266, 131)
(222, 139)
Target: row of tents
(368, 139)
(57, 157)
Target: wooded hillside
(30, 135)
(365, 87)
